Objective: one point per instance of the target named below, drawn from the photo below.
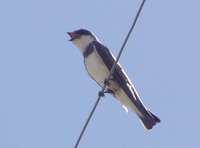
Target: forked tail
(149, 120)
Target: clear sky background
(46, 94)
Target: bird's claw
(106, 82)
(109, 91)
(101, 94)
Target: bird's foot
(106, 82)
(101, 94)
(109, 91)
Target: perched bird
(98, 61)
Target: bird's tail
(133, 102)
(149, 120)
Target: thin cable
(110, 74)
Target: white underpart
(98, 71)
(125, 108)
(96, 68)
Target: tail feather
(149, 120)
(131, 100)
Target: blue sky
(46, 94)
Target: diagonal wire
(110, 74)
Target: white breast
(98, 71)
(96, 68)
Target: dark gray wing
(148, 118)
(118, 75)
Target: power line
(101, 93)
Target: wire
(101, 93)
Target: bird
(98, 61)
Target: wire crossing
(101, 93)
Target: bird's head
(81, 38)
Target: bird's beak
(73, 35)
